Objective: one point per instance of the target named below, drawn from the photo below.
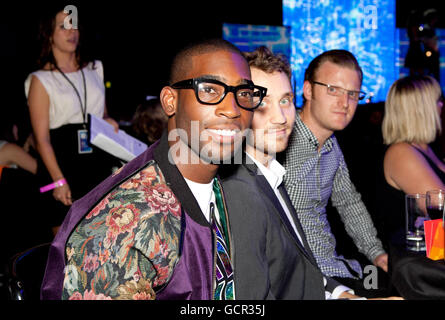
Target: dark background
(135, 40)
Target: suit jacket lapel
(294, 214)
(267, 190)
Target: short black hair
(182, 61)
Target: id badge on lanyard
(83, 145)
(82, 142)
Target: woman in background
(411, 122)
(61, 94)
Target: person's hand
(382, 261)
(347, 295)
(387, 298)
(63, 194)
(113, 123)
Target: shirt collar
(203, 193)
(307, 134)
(274, 173)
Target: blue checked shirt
(312, 178)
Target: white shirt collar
(274, 173)
(274, 176)
(203, 193)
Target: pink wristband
(53, 185)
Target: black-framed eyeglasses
(339, 91)
(210, 91)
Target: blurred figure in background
(20, 228)
(61, 94)
(410, 124)
(149, 121)
(12, 154)
(423, 56)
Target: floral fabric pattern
(127, 245)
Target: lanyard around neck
(83, 107)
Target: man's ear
(169, 97)
(307, 90)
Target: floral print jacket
(128, 244)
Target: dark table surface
(414, 275)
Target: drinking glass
(415, 216)
(434, 203)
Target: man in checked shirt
(316, 170)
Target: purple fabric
(192, 277)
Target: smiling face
(64, 40)
(324, 113)
(212, 132)
(273, 120)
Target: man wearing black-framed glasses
(211, 91)
(316, 171)
(158, 228)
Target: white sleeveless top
(64, 105)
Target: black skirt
(81, 171)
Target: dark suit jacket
(268, 191)
(259, 231)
